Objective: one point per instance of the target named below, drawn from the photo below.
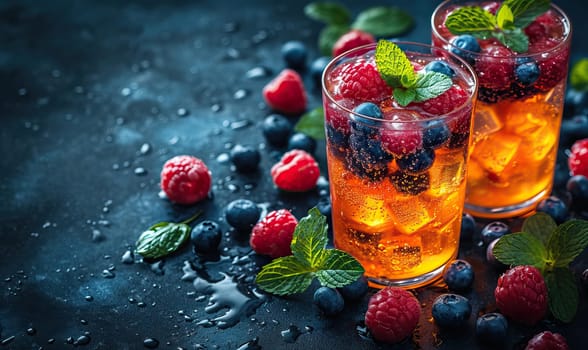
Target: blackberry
(245, 158)
(440, 67)
(554, 207)
(451, 310)
(276, 129)
(435, 134)
(409, 183)
(417, 162)
(328, 300)
(355, 290)
(302, 141)
(493, 230)
(242, 214)
(458, 275)
(206, 237)
(338, 142)
(294, 54)
(458, 139)
(367, 159)
(492, 328)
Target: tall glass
(397, 181)
(518, 113)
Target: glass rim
(565, 41)
(472, 94)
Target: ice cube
(401, 253)
(495, 153)
(448, 172)
(367, 214)
(409, 213)
(486, 122)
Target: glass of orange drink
(520, 51)
(397, 122)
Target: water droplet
(240, 124)
(97, 236)
(22, 92)
(257, 72)
(240, 94)
(157, 267)
(250, 345)
(125, 91)
(31, 331)
(89, 298)
(230, 27)
(151, 343)
(107, 274)
(145, 148)
(233, 53)
(216, 107)
(291, 334)
(182, 112)
(84, 322)
(140, 171)
(174, 140)
(223, 158)
(128, 257)
(56, 73)
(7, 340)
(82, 340)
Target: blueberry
(554, 207)
(451, 310)
(245, 158)
(492, 328)
(277, 129)
(417, 162)
(491, 258)
(242, 214)
(493, 230)
(440, 67)
(328, 300)
(458, 275)
(294, 54)
(355, 290)
(573, 129)
(206, 237)
(468, 226)
(465, 46)
(367, 158)
(576, 102)
(435, 134)
(577, 185)
(317, 68)
(527, 73)
(366, 126)
(302, 141)
(324, 206)
(409, 183)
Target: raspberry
(297, 171)
(285, 93)
(540, 29)
(361, 81)
(521, 294)
(578, 160)
(350, 40)
(273, 234)
(547, 341)
(495, 68)
(185, 179)
(392, 314)
(444, 103)
(553, 69)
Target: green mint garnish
(312, 123)
(506, 26)
(551, 249)
(310, 259)
(379, 21)
(163, 238)
(579, 75)
(397, 71)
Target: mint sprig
(507, 25)
(310, 259)
(163, 238)
(397, 71)
(312, 123)
(551, 249)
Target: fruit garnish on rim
(506, 25)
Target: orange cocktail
(520, 101)
(397, 172)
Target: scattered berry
(444, 103)
(435, 134)
(185, 179)
(285, 93)
(493, 230)
(273, 234)
(458, 275)
(491, 258)
(392, 314)
(554, 207)
(350, 40)
(492, 328)
(577, 185)
(297, 171)
(547, 341)
(408, 183)
(440, 67)
(578, 160)
(451, 310)
(294, 54)
(521, 294)
(574, 129)
(468, 226)
(328, 300)
(494, 68)
(302, 141)
(527, 73)
(276, 130)
(361, 81)
(465, 46)
(242, 214)
(245, 158)
(356, 289)
(317, 67)
(206, 237)
(417, 162)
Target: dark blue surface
(94, 97)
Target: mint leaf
(430, 85)
(329, 12)
(567, 242)
(338, 269)
(312, 123)
(579, 75)
(329, 36)
(383, 21)
(525, 11)
(404, 96)
(285, 275)
(515, 39)
(562, 294)
(521, 249)
(471, 20)
(163, 238)
(310, 239)
(393, 65)
(504, 17)
(540, 225)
